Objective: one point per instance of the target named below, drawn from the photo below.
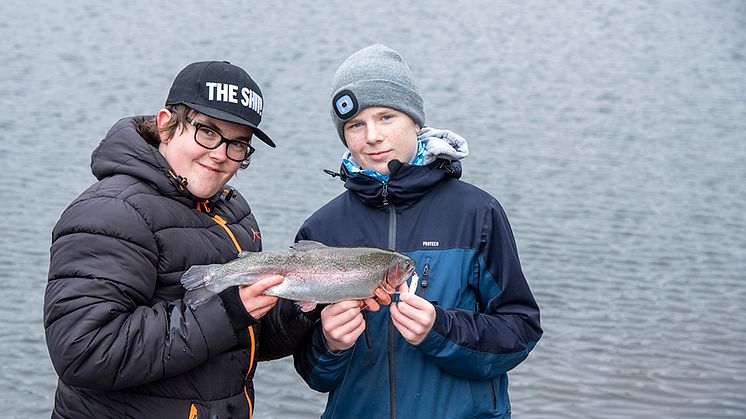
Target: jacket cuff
(239, 317)
(320, 346)
(434, 339)
(314, 314)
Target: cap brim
(225, 116)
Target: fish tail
(197, 280)
(306, 306)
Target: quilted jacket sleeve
(102, 330)
(285, 330)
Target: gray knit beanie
(374, 76)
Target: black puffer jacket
(120, 338)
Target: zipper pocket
(424, 280)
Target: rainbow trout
(314, 273)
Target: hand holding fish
(256, 303)
(413, 316)
(374, 303)
(342, 323)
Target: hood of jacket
(123, 151)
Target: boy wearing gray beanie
(467, 316)
(374, 76)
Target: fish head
(400, 268)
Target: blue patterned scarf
(354, 169)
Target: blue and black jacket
(487, 320)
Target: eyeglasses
(209, 138)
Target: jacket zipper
(223, 223)
(494, 396)
(424, 281)
(392, 246)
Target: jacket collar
(406, 186)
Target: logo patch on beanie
(345, 104)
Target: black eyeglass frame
(198, 125)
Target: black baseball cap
(220, 90)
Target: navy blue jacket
(487, 320)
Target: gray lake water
(613, 134)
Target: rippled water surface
(613, 134)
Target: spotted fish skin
(313, 272)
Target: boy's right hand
(254, 301)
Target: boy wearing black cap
(119, 335)
(444, 349)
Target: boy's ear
(163, 116)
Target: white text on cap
(223, 92)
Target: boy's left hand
(413, 316)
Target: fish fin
(275, 291)
(306, 306)
(197, 296)
(306, 245)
